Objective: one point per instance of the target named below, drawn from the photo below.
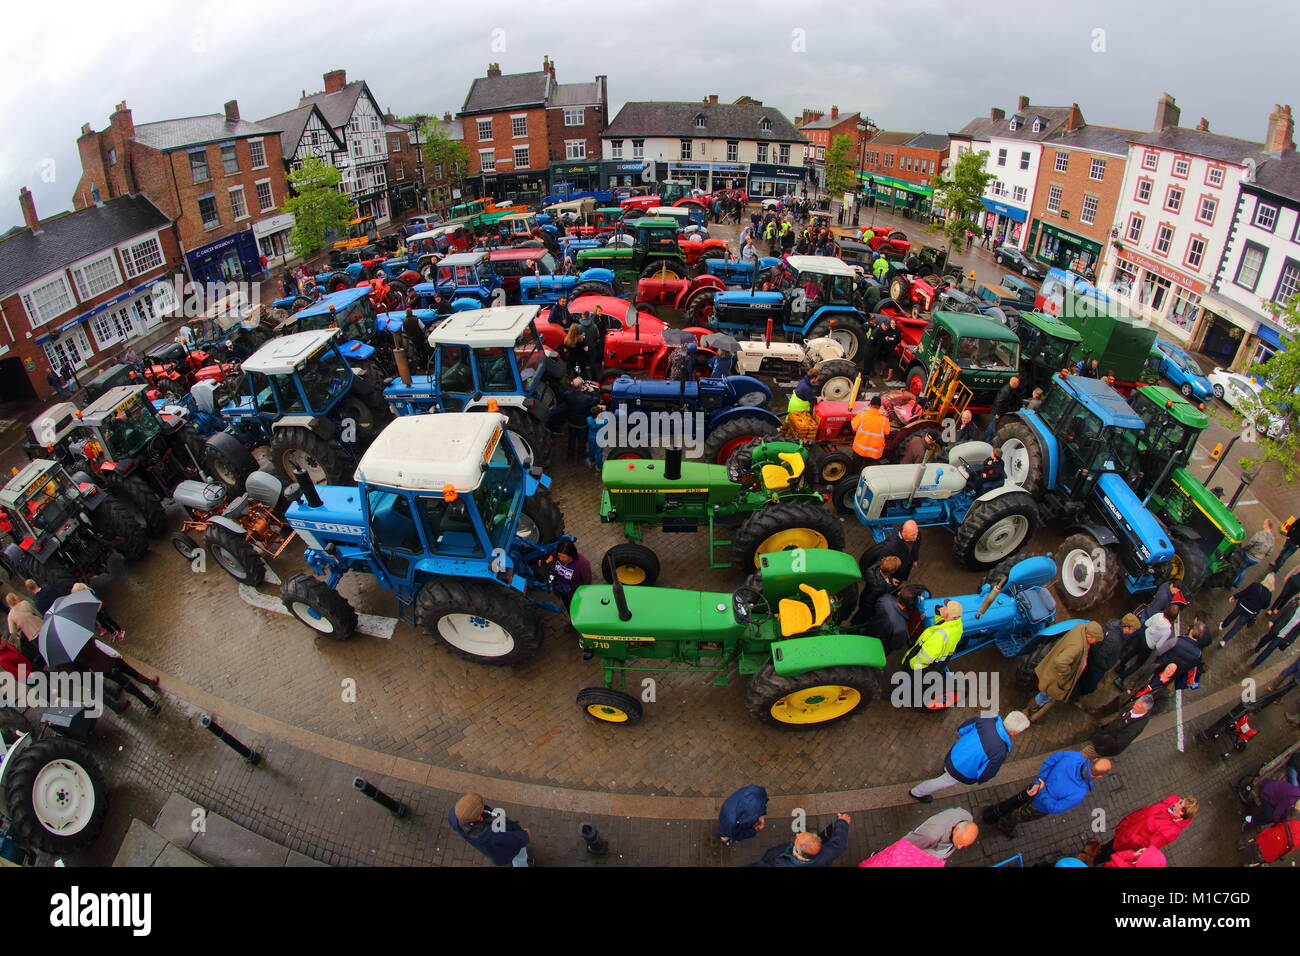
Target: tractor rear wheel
(666, 269)
(1088, 572)
(845, 491)
(817, 697)
(846, 330)
(783, 525)
(542, 520)
(532, 441)
(836, 379)
(1023, 456)
(484, 623)
(631, 563)
(235, 555)
(49, 575)
(609, 706)
(993, 530)
(338, 282)
(734, 433)
(741, 459)
(1188, 564)
(55, 795)
(831, 467)
(227, 460)
(319, 606)
(1026, 676)
(900, 290)
(1224, 577)
(147, 503)
(302, 448)
(114, 519)
(699, 310)
(591, 287)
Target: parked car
(1180, 368)
(1244, 393)
(1011, 257)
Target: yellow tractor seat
(794, 462)
(797, 617)
(780, 477)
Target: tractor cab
(119, 426)
(1046, 347)
(516, 227)
(987, 352)
(513, 265)
(465, 275)
(655, 235)
(349, 310)
(300, 374)
(37, 502)
(673, 191)
(361, 231)
(809, 282)
(1172, 426)
(1096, 431)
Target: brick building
(524, 131)
(821, 130)
(405, 164)
(219, 178)
(78, 286)
(898, 169)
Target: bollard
(393, 806)
(596, 844)
(234, 743)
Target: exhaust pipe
(403, 366)
(620, 599)
(308, 488)
(673, 464)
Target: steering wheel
(749, 606)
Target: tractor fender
(698, 331)
(697, 286)
(738, 385)
(744, 411)
(1049, 633)
(1045, 438)
(802, 654)
(321, 426)
(1005, 489)
(829, 312)
(597, 275)
(229, 524)
(1104, 535)
(92, 499)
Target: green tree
(443, 152)
(961, 193)
(317, 206)
(1280, 377)
(840, 174)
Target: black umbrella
(68, 628)
(721, 342)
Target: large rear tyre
(49, 575)
(1026, 676)
(319, 606)
(531, 440)
(296, 447)
(699, 310)
(994, 530)
(1022, 454)
(235, 555)
(734, 434)
(484, 623)
(666, 269)
(147, 503)
(115, 520)
(1088, 572)
(815, 698)
(783, 525)
(631, 563)
(227, 460)
(590, 287)
(55, 795)
(541, 521)
(1188, 564)
(846, 330)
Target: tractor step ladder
(945, 390)
(714, 544)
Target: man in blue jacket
(983, 744)
(501, 840)
(742, 815)
(1064, 779)
(811, 849)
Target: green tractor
(764, 492)
(654, 251)
(1206, 534)
(780, 630)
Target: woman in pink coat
(1157, 825)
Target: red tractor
(676, 293)
(890, 240)
(832, 457)
(670, 193)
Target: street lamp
(865, 126)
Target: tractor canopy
(122, 423)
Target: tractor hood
(338, 519)
(1124, 510)
(658, 614)
(1205, 502)
(643, 476)
(759, 301)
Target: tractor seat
(1038, 603)
(779, 477)
(200, 495)
(797, 617)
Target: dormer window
(1038, 125)
(765, 125)
(1014, 124)
(699, 121)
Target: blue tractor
(546, 290)
(487, 358)
(738, 272)
(731, 408)
(813, 297)
(1072, 454)
(464, 276)
(299, 398)
(448, 517)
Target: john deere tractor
(780, 630)
(763, 494)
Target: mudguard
(744, 411)
(321, 426)
(825, 312)
(356, 351)
(597, 275)
(1046, 439)
(229, 524)
(1050, 633)
(1104, 535)
(802, 654)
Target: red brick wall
(898, 170)
(1075, 184)
(593, 122)
(504, 143)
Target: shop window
(1186, 307)
(1157, 291)
(72, 348)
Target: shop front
(1062, 249)
(272, 234)
(1005, 220)
(710, 176)
(582, 177)
(614, 174)
(766, 179)
(525, 187)
(232, 259)
(1159, 292)
(897, 196)
(1232, 335)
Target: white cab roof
(283, 355)
(464, 259)
(484, 328)
(823, 265)
(425, 235)
(428, 452)
(56, 421)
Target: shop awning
(1243, 317)
(1269, 335)
(1073, 238)
(884, 183)
(1002, 209)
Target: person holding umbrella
(725, 346)
(67, 642)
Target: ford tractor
(448, 517)
(301, 399)
(1073, 455)
(812, 298)
(487, 358)
(465, 275)
(61, 528)
(761, 500)
(352, 312)
(988, 524)
(781, 632)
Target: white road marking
(1178, 720)
(372, 625)
(1248, 501)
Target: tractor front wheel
(844, 492)
(319, 606)
(1023, 456)
(1088, 572)
(541, 521)
(55, 795)
(590, 287)
(235, 555)
(609, 706)
(147, 503)
(993, 530)
(484, 623)
(302, 448)
(900, 290)
(782, 526)
(733, 434)
(831, 467)
(817, 697)
(631, 563)
(846, 330)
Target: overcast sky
(908, 64)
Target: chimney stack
(996, 114)
(122, 123)
(446, 117)
(232, 111)
(494, 69)
(1022, 104)
(335, 80)
(1075, 119)
(713, 97)
(548, 66)
(1203, 126)
(1281, 131)
(1167, 113)
(835, 112)
(29, 209)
